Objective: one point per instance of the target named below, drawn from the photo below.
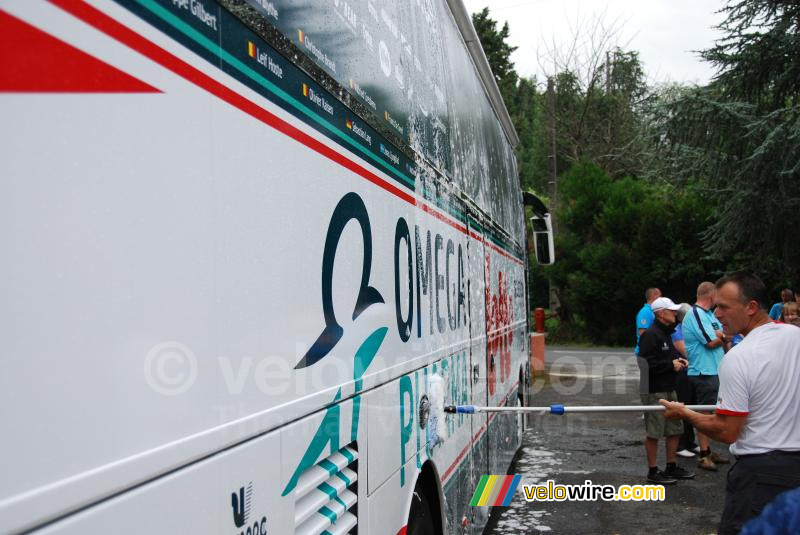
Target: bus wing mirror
(543, 239)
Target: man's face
(731, 312)
(667, 317)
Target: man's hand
(679, 364)
(673, 409)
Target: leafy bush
(615, 239)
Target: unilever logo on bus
(241, 503)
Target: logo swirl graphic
(350, 207)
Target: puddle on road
(535, 465)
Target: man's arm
(720, 427)
(698, 327)
(718, 341)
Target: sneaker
(684, 453)
(696, 449)
(678, 473)
(719, 459)
(706, 463)
(660, 479)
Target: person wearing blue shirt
(705, 343)
(645, 317)
(786, 296)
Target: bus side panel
(196, 245)
(398, 436)
(479, 367)
(234, 492)
(504, 274)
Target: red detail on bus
(36, 62)
(499, 316)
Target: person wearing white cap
(659, 366)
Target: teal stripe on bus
(328, 513)
(344, 478)
(327, 489)
(253, 75)
(328, 466)
(346, 452)
(266, 84)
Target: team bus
(249, 250)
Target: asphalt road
(605, 448)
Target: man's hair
(649, 293)
(787, 295)
(704, 289)
(750, 287)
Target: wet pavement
(606, 448)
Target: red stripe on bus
(125, 35)
(41, 63)
(443, 218)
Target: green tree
(498, 53)
(599, 117)
(740, 136)
(618, 237)
(522, 99)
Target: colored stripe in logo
(301, 36)
(305, 90)
(495, 490)
(251, 49)
(349, 124)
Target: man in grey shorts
(659, 363)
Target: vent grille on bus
(326, 496)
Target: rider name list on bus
(317, 99)
(198, 10)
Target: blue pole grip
(466, 409)
(556, 408)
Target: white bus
(248, 248)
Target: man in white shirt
(758, 408)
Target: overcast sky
(664, 32)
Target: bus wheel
(420, 517)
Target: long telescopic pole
(558, 408)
